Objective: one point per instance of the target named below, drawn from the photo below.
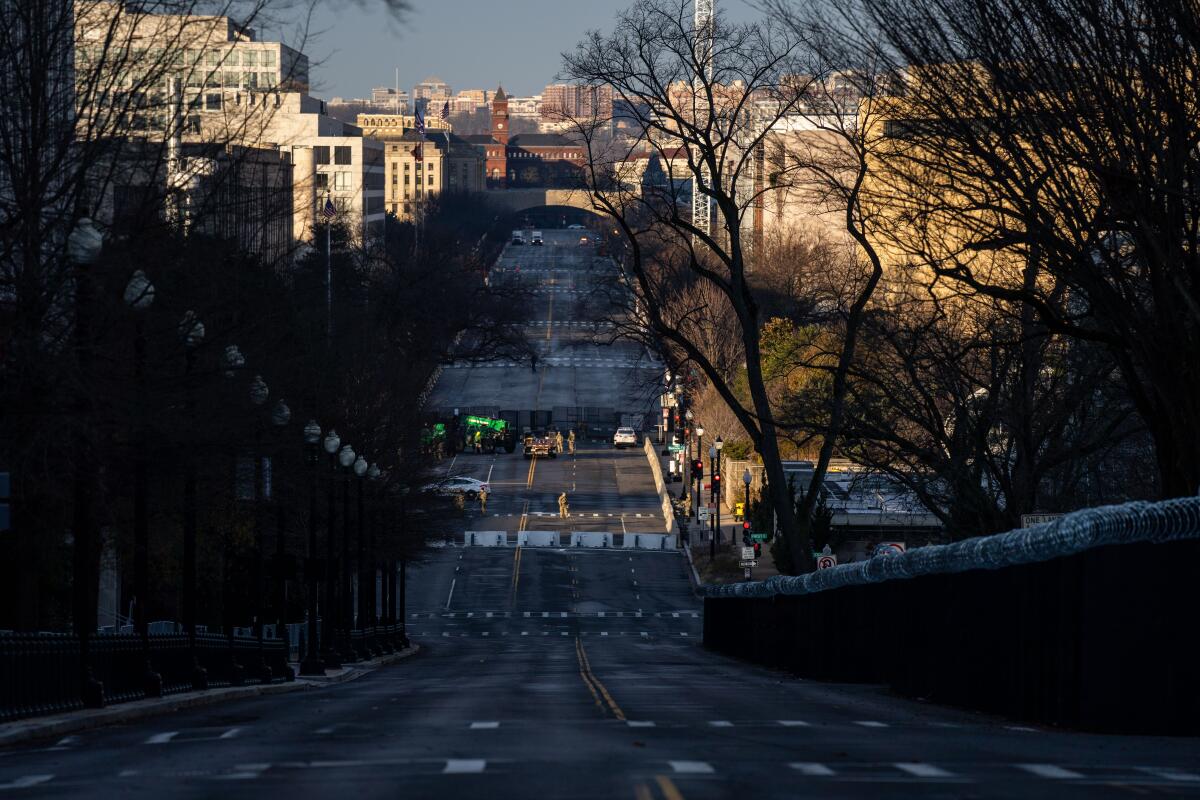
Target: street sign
(825, 562)
(747, 573)
(1029, 520)
(750, 563)
(748, 553)
(675, 448)
(704, 513)
(758, 537)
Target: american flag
(329, 210)
(420, 124)
(446, 111)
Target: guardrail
(1086, 621)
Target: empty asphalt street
(579, 672)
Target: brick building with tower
(527, 160)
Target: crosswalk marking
(458, 766)
(870, 723)
(920, 770)
(1049, 771)
(692, 767)
(813, 770)
(484, 726)
(1170, 774)
(793, 723)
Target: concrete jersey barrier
(668, 511)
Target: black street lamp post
(400, 592)
(139, 296)
(346, 457)
(746, 479)
(364, 619)
(329, 653)
(191, 330)
(717, 480)
(699, 477)
(259, 393)
(280, 417)
(83, 248)
(311, 665)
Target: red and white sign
(826, 562)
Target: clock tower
(497, 149)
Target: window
(268, 58)
(250, 58)
(321, 155)
(342, 155)
(232, 79)
(231, 58)
(431, 179)
(406, 166)
(322, 181)
(212, 102)
(406, 177)
(213, 58)
(395, 177)
(341, 181)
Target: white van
(537, 237)
(518, 237)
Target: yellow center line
(667, 786)
(583, 673)
(524, 517)
(642, 792)
(532, 469)
(587, 666)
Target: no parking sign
(826, 562)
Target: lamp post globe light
(259, 391)
(312, 665)
(717, 482)
(699, 478)
(329, 653)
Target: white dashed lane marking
(1050, 771)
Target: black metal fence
(1102, 640)
(40, 673)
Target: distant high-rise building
(430, 92)
(563, 102)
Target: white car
(575, 227)
(470, 487)
(625, 437)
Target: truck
(518, 237)
(540, 443)
(495, 434)
(536, 236)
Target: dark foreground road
(563, 674)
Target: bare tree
(1046, 154)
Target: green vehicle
(433, 439)
(493, 433)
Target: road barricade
(485, 538)
(537, 539)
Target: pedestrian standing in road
(571, 441)
(483, 503)
(558, 442)
(562, 506)
(478, 441)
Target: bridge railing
(1086, 621)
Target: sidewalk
(75, 721)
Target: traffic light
(716, 480)
(698, 469)
(757, 549)
(746, 532)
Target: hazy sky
(356, 44)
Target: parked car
(575, 227)
(448, 487)
(625, 437)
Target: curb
(353, 672)
(14, 733)
(28, 730)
